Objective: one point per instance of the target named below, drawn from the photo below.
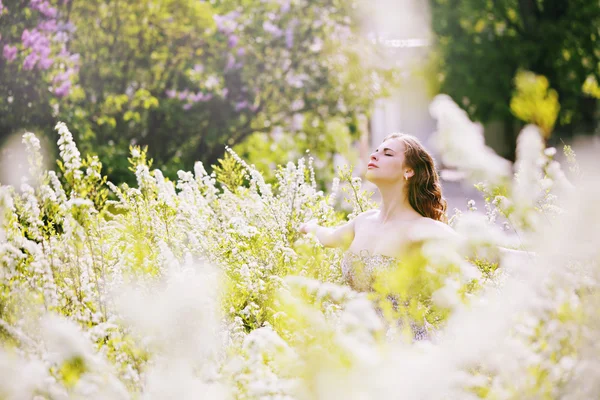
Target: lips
(372, 165)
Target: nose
(373, 156)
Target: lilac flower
(183, 95)
(9, 52)
(269, 27)
(68, 27)
(241, 52)
(196, 97)
(47, 10)
(187, 106)
(241, 105)
(285, 6)
(233, 40)
(48, 26)
(171, 93)
(230, 62)
(225, 92)
(289, 33)
(63, 89)
(43, 7)
(27, 37)
(45, 63)
(61, 37)
(30, 61)
(289, 37)
(198, 68)
(42, 47)
(63, 76)
(74, 58)
(226, 23)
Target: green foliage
(186, 78)
(483, 44)
(230, 173)
(534, 102)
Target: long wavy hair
(424, 188)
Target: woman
(411, 204)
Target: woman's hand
(308, 227)
(340, 236)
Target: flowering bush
(203, 286)
(187, 77)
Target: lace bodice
(359, 271)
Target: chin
(370, 176)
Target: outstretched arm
(341, 236)
(450, 232)
(520, 253)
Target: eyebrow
(386, 148)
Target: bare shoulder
(366, 214)
(427, 228)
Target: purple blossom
(285, 6)
(63, 76)
(43, 7)
(45, 63)
(30, 61)
(47, 10)
(48, 26)
(225, 92)
(226, 23)
(198, 68)
(40, 46)
(289, 33)
(27, 37)
(61, 37)
(74, 58)
(196, 97)
(68, 27)
(63, 89)
(233, 40)
(183, 95)
(271, 28)
(187, 106)
(9, 52)
(171, 93)
(289, 37)
(241, 105)
(230, 62)
(241, 52)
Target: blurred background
(275, 78)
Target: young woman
(412, 208)
(411, 203)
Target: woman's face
(386, 162)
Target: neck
(394, 203)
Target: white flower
(461, 143)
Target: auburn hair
(424, 188)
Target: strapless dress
(359, 271)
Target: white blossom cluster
(195, 288)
